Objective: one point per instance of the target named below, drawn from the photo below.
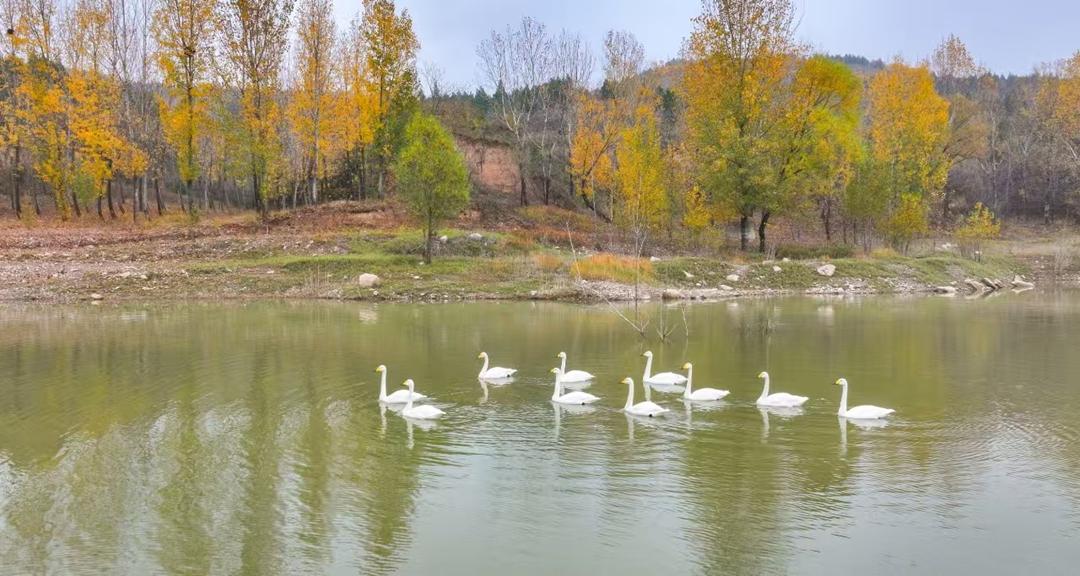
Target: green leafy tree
(431, 176)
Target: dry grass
(609, 267)
(547, 262)
(884, 253)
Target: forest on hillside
(107, 107)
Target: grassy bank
(526, 255)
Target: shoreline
(368, 256)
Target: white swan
(859, 412)
(663, 378)
(399, 396)
(495, 372)
(573, 376)
(780, 399)
(577, 398)
(703, 394)
(642, 408)
(424, 412)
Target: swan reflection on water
(861, 424)
(780, 412)
(424, 425)
(569, 409)
(691, 405)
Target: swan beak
(762, 375)
(554, 370)
(837, 383)
(480, 356)
(686, 366)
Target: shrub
(908, 222)
(613, 268)
(980, 225)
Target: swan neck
(558, 387)
(382, 386)
(408, 404)
(765, 390)
(843, 401)
(648, 369)
(484, 368)
(563, 365)
(689, 383)
(629, 397)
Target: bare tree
(517, 64)
(574, 65)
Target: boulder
(476, 237)
(96, 296)
(1020, 283)
(777, 269)
(827, 270)
(444, 239)
(991, 283)
(673, 294)
(367, 280)
(688, 275)
(945, 290)
(726, 288)
(733, 278)
(974, 285)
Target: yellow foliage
(909, 129)
(641, 187)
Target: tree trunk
(524, 196)
(945, 207)
(429, 242)
(99, 213)
(826, 219)
(75, 202)
(123, 200)
(744, 232)
(761, 230)
(108, 195)
(17, 184)
(37, 204)
(157, 196)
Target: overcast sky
(1004, 35)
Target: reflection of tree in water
(261, 517)
(185, 544)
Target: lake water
(246, 438)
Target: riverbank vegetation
(134, 111)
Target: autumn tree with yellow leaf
(255, 35)
(312, 102)
(908, 134)
(183, 33)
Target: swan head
(763, 375)
(409, 384)
(687, 366)
(841, 382)
(381, 368)
(482, 356)
(628, 381)
(556, 370)
(648, 354)
(561, 355)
